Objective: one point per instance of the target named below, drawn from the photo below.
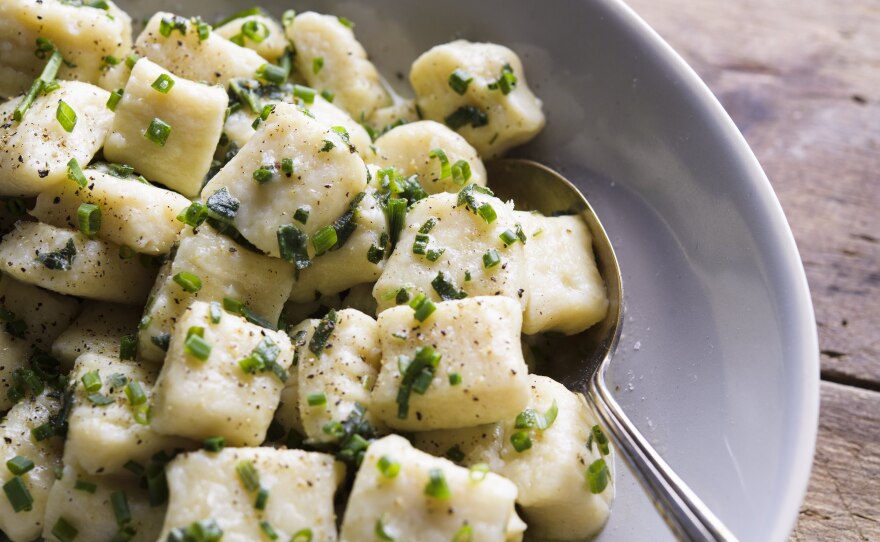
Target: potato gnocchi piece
(226, 270)
(90, 39)
(35, 153)
(406, 494)
(98, 329)
(361, 259)
(239, 125)
(566, 291)
(16, 439)
(140, 216)
(465, 356)
(474, 259)
(86, 503)
(326, 174)
(259, 33)
(480, 91)
(335, 372)
(300, 487)
(548, 466)
(109, 422)
(183, 53)
(329, 57)
(167, 127)
(360, 298)
(68, 262)
(227, 382)
(409, 149)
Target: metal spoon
(581, 361)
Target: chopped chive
(91, 381)
(491, 258)
(345, 22)
(293, 245)
(395, 212)
(114, 99)
(119, 501)
(255, 31)
(83, 485)
(416, 376)
(43, 432)
(316, 399)
(437, 486)
(203, 29)
(302, 535)
(454, 379)
(423, 307)
(459, 81)
(600, 439)
(66, 116)
(445, 169)
(506, 81)
(64, 531)
(478, 472)
(216, 312)
(461, 172)
(75, 173)
(301, 215)
(99, 399)
(287, 169)
(176, 22)
(135, 393)
(487, 213)
(380, 531)
(466, 114)
(158, 131)
(263, 175)
(44, 48)
(164, 83)
(193, 215)
(521, 441)
(304, 93)
(317, 64)
(420, 244)
(324, 239)
(328, 95)
(262, 499)
(162, 340)
(248, 475)
(214, 444)
(268, 530)
(19, 496)
(272, 73)
(465, 534)
(434, 254)
(455, 454)
(388, 467)
(328, 146)
(444, 287)
(88, 216)
(188, 281)
(251, 365)
(61, 259)
(19, 465)
(531, 419)
(131, 59)
(50, 70)
(597, 476)
(16, 206)
(322, 333)
(508, 237)
(195, 345)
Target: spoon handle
(688, 517)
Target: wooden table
(801, 79)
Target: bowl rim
(798, 294)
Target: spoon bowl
(581, 361)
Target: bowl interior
(718, 363)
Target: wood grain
(843, 501)
(801, 79)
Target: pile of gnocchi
(248, 293)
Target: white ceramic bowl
(719, 361)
